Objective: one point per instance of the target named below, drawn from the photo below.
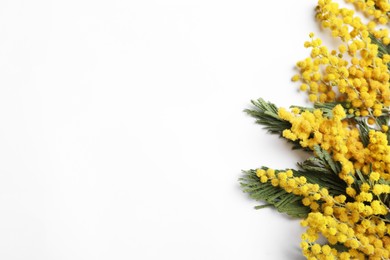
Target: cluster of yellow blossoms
(378, 9)
(336, 136)
(361, 78)
(356, 224)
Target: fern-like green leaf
(363, 130)
(273, 196)
(266, 114)
(323, 170)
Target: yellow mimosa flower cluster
(378, 9)
(355, 79)
(357, 224)
(336, 136)
(353, 73)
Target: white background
(122, 134)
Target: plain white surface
(122, 134)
